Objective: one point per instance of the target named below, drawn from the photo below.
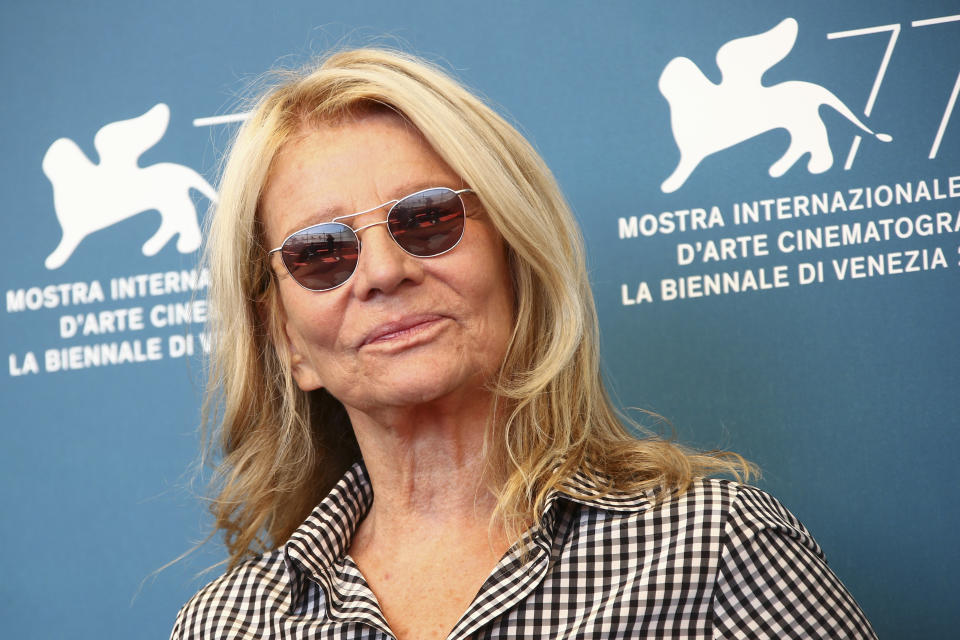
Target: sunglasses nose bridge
(367, 226)
(383, 264)
(390, 239)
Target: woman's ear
(302, 368)
(286, 339)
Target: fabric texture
(723, 560)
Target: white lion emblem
(89, 197)
(708, 117)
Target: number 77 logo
(894, 30)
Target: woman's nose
(383, 267)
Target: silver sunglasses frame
(356, 232)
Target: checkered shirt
(723, 560)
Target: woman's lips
(400, 329)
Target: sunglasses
(425, 224)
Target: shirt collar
(318, 548)
(587, 487)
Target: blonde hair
(283, 449)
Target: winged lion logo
(708, 117)
(88, 197)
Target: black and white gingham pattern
(721, 561)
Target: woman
(415, 436)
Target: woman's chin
(413, 384)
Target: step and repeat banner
(770, 195)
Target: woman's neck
(427, 467)
(428, 542)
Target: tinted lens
(321, 257)
(427, 223)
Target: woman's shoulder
(725, 512)
(230, 602)
(739, 512)
(762, 568)
(772, 574)
(746, 506)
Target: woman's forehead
(349, 165)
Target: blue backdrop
(840, 377)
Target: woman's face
(403, 330)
